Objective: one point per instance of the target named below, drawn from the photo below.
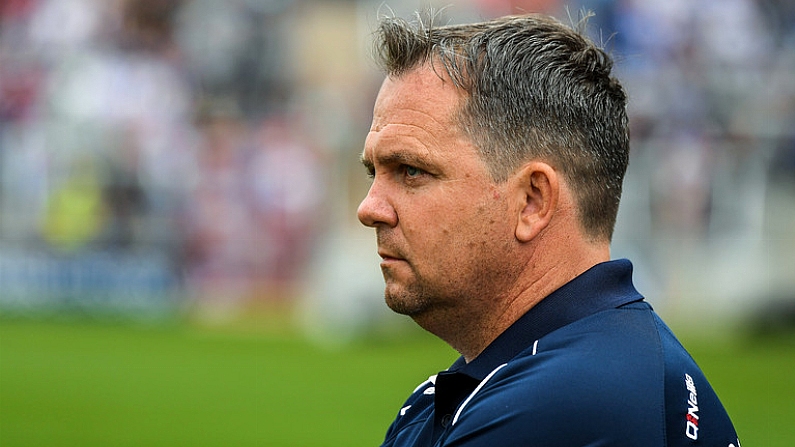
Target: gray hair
(535, 89)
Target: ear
(539, 187)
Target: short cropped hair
(534, 89)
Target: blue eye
(411, 171)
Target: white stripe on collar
(480, 385)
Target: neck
(470, 331)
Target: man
(497, 153)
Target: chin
(398, 305)
(405, 303)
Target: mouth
(389, 256)
(388, 249)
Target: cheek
(466, 226)
(467, 231)
(492, 233)
(432, 237)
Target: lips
(387, 245)
(388, 255)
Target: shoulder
(605, 372)
(694, 413)
(620, 374)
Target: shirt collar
(605, 286)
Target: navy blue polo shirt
(590, 365)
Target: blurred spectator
(219, 231)
(288, 190)
(254, 214)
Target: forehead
(417, 110)
(419, 95)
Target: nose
(375, 209)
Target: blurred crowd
(712, 87)
(132, 127)
(710, 194)
(215, 135)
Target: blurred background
(195, 163)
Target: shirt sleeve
(694, 413)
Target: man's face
(444, 229)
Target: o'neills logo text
(691, 428)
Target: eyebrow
(394, 158)
(365, 161)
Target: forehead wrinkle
(413, 118)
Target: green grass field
(80, 384)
